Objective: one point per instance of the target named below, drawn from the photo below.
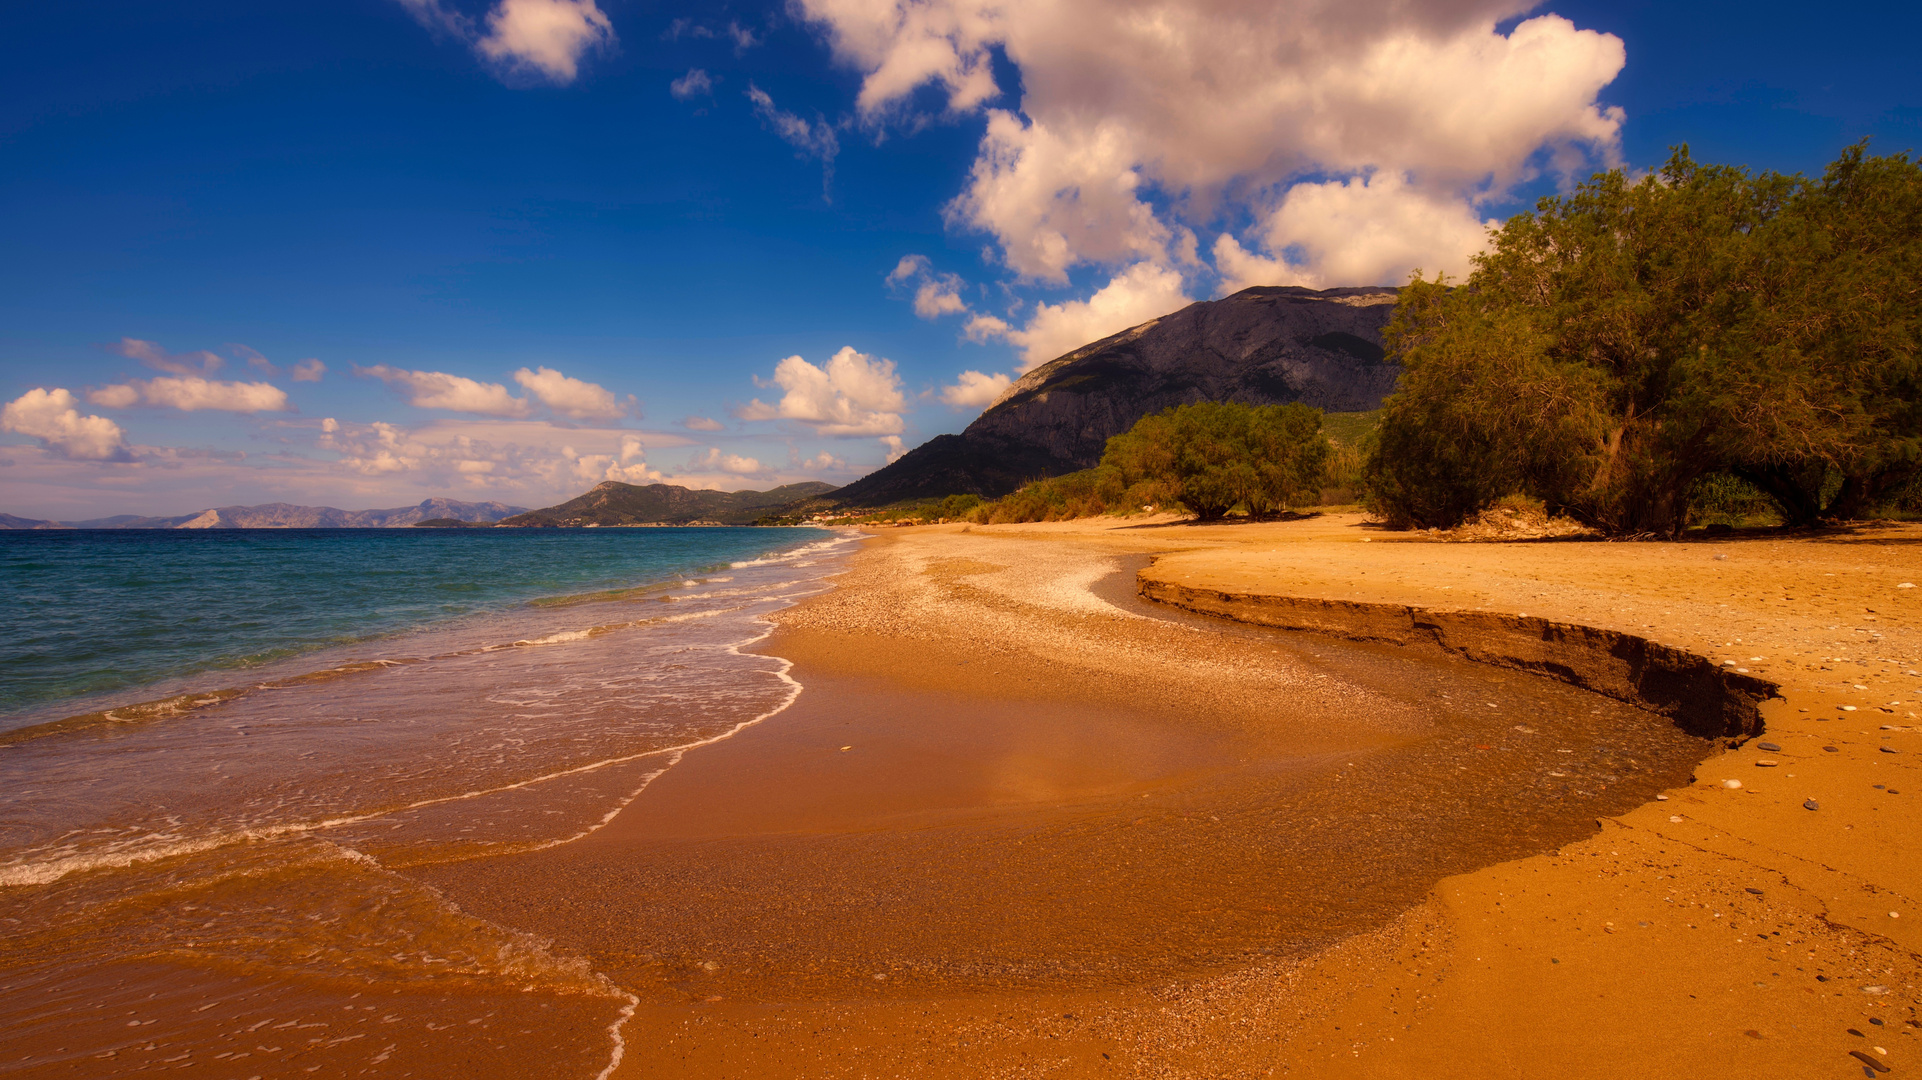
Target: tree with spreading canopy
(1620, 345)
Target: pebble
(1757, 892)
(1833, 749)
(1765, 764)
(1661, 798)
(1770, 747)
(1868, 1063)
(1848, 708)
(1811, 805)
(1890, 750)
(1895, 914)
(1906, 585)
(1675, 819)
(1731, 784)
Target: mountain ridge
(280, 515)
(612, 503)
(1263, 345)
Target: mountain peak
(1268, 344)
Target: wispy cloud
(814, 139)
(575, 399)
(198, 362)
(696, 83)
(191, 393)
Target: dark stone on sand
(1812, 805)
(1890, 750)
(1833, 749)
(1757, 892)
(1868, 1061)
(1770, 747)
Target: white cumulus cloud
(854, 394)
(543, 38)
(571, 397)
(309, 370)
(1359, 136)
(53, 417)
(975, 390)
(455, 393)
(735, 464)
(821, 462)
(1367, 229)
(1144, 291)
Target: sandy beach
(1023, 822)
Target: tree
(1618, 345)
(1213, 456)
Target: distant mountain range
(287, 516)
(614, 503)
(1260, 346)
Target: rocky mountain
(615, 503)
(287, 516)
(1265, 345)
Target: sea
(221, 752)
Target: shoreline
(746, 799)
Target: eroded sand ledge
(1716, 930)
(1701, 697)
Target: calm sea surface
(218, 747)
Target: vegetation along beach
(806, 539)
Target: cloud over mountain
(1323, 142)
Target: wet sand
(1014, 827)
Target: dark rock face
(1266, 345)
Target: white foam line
(41, 874)
(614, 1032)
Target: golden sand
(1013, 829)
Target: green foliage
(1619, 345)
(1351, 436)
(957, 507)
(1209, 457)
(1727, 499)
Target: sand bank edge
(1702, 698)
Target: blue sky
(533, 244)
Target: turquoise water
(95, 612)
(222, 752)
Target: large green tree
(1213, 456)
(1619, 344)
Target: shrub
(1209, 457)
